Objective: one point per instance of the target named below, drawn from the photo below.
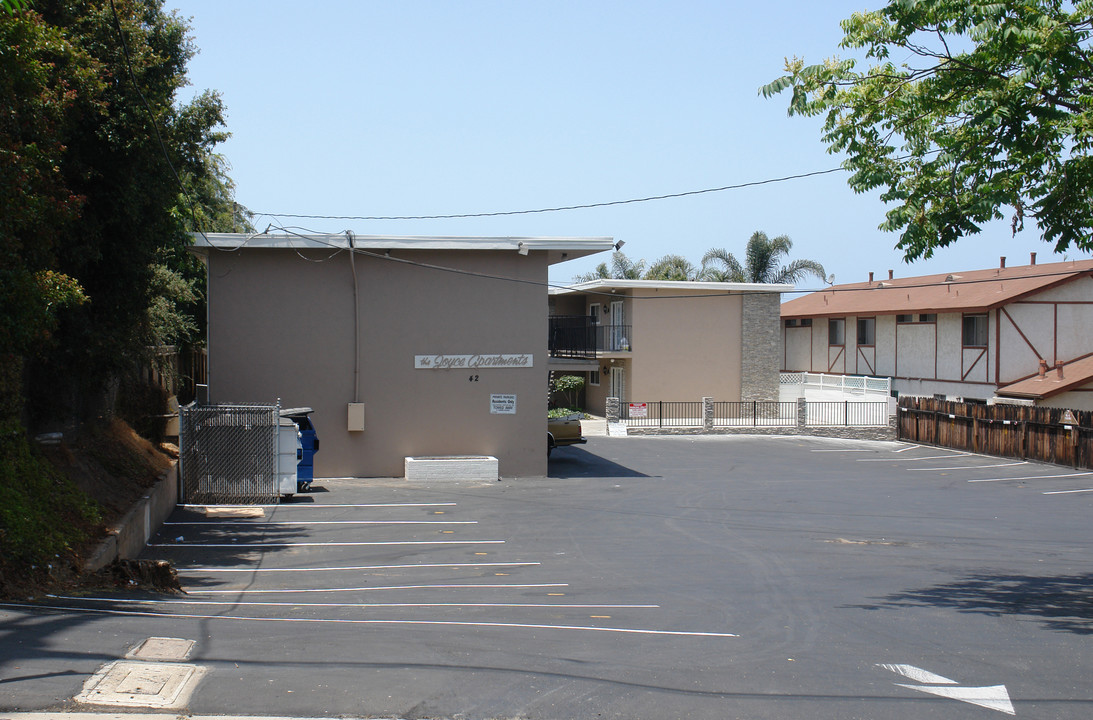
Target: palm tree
(672, 267)
(622, 268)
(761, 263)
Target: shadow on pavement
(576, 462)
(1064, 603)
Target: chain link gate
(228, 453)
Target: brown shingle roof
(976, 290)
(1075, 374)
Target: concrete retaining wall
(129, 536)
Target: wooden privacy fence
(1053, 435)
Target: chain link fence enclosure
(228, 454)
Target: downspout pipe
(356, 318)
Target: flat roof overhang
(684, 286)
(557, 249)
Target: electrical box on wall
(356, 417)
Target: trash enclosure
(230, 454)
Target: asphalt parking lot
(656, 577)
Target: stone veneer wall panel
(761, 349)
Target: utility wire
(565, 286)
(560, 208)
(144, 100)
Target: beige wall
(798, 348)
(569, 305)
(282, 327)
(684, 348)
(1078, 399)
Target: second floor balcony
(577, 336)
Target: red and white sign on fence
(639, 410)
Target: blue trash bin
(309, 440)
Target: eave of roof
(607, 284)
(557, 249)
(1076, 373)
(971, 291)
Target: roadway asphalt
(652, 577)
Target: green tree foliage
(11, 6)
(102, 172)
(762, 263)
(569, 386)
(969, 111)
(622, 268)
(42, 80)
(672, 267)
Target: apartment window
(594, 377)
(905, 319)
(867, 331)
(594, 313)
(975, 331)
(836, 331)
(791, 323)
(928, 317)
(806, 322)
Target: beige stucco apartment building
(652, 340)
(404, 346)
(1021, 333)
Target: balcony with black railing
(572, 336)
(577, 336)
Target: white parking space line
(316, 506)
(845, 450)
(968, 467)
(325, 544)
(263, 603)
(1067, 492)
(350, 568)
(916, 459)
(238, 523)
(905, 449)
(382, 587)
(351, 621)
(1032, 477)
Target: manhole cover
(162, 648)
(141, 684)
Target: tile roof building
(1022, 333)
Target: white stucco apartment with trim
(1021, 333)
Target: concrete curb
(129, 536)
(64, 715)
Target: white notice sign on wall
(502, 404)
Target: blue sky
(430, 108)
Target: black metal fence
(667, 414)
(754, 413)
(662, 414)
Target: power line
(565, 286)
(560, 208)
(152, 118)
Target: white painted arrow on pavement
(992, 697)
